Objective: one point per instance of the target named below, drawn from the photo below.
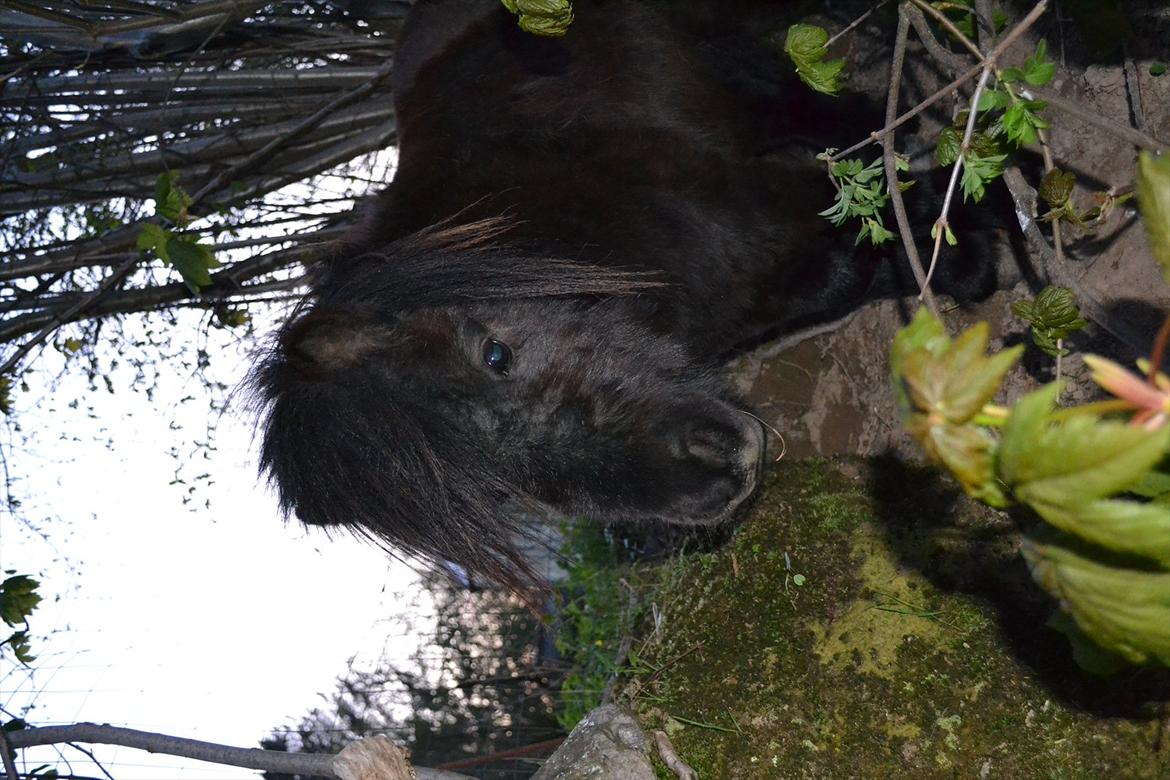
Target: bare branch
(305, 124)
(903, 221)
(316, 765)
(1125, 133)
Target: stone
(607, 744)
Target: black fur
(620, 208)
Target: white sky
(216, 624)
(213, 624)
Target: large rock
(607, 743)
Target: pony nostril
(709, 445)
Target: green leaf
(861, 194)
(1028, 418)
(1082, 459)
(546, 18)
(193, 261)
(873, 228)
(170, 201)
(152, 237)
(950, 143)
(993, 98)
(1056, 187)
(805, 46)
(1126, 611)
(1126, 527)
(925, 332)
(1153, 192)
(1053, 315)
(978, 172)
(984, 145)
(5, 395)
(18, 598)
(1089, 655)
(1157, 68)
(20, 646)
(1020, 121)
(1037, 70)
(1153, 484)
(966, 451)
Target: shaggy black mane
(350, 440)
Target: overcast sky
(216, 624)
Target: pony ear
(329, 341)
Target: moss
(914, 647)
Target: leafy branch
(1097, 475)
(1101, 484)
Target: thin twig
(941, 18)
(940, 225)
(854, 24)
(962, 79)
(1159, 351)
(891, 165)
(89, 754)
(940, 53)
(1057, 230)
(671, 759)
(60, 318)
(1134, 87)
(261, 154)
(1135, 137)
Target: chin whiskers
(780, 436)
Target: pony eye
(497, 356)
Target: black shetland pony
(533, 316)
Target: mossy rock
(915, 646)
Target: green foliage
(960, 12)
(170, 200)
(805, 46)
(1157, 69)
(941, 385)
(191, 259)
(232, 318)
(1053, 316)
(1153, 192)
(978, 172)
(1037, 71)
(1020, 122)
(18, 599)
(982, 161)
(1056, 189)
(593, 620)
(1101, 484)
(861, 194)
(5, 395)
(546, 18)
(184, 253)
(1125, 610)
(1066, 469)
